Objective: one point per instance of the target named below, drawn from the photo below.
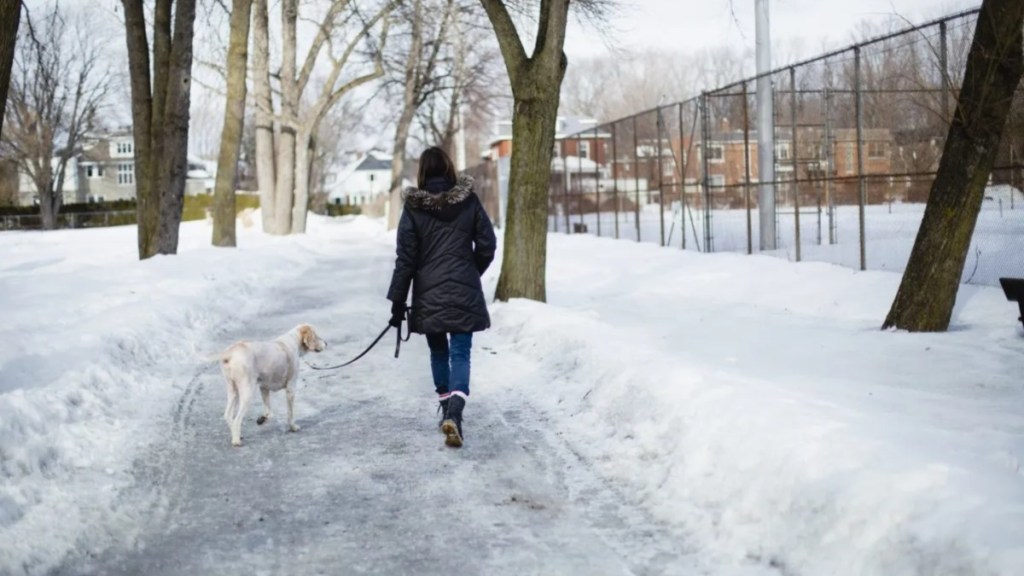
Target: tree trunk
(995, 63)
(47, 200)
(10, 16)
(174, 162)
(398, 163)
(525, 252)
(536, 83)
(285, 198)
(409, 94)
(265, 173)
(302, 164)
(147, 206)
(234, 121)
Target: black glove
(397, 314)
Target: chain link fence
(855, 138)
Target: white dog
(269, 365)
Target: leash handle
(398, 332)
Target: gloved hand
(397, 314)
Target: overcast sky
(689, 25)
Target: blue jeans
(450, 364)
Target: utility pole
(765, 129)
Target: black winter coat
(445, 243)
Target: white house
(363, 181)
(104, 170)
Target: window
(716, 153)
(876, 149)
(124, 148)
(716, 181)
(585, 149)
(93, 171)
(556, 150)
(125, 174)
(782, 151)
(849, 158)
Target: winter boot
(442, 408)
(452, 424)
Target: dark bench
(1014, 290)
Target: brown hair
(434, 163)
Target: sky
(690, 25)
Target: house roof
(373, 162)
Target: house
(571, 139)
(104, 171)
(365, 180)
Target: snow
(744, 410)
(996, 249)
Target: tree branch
(508, 38)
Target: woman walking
(445, 243)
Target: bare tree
(536, 82)
(428, 23)
(10, 15)
(234, 121)
(995, 64)
(160, 105)
(469, 88)
(284, 135)
(59, 85)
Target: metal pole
(565, 188)
(682, 177)
(944, 64)
(860, 156)
(1013, 179)
(829, 203)
(705, 129)
(597, 178)
(661, 184)
(765, 128)
(746, 165)
(615, 177)
(579, 181)
(636, 179)
(793, 154)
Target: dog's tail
(205, 358)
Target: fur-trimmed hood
(435, 202)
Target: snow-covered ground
(666, 412)
(997, 247)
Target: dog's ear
(308, 337)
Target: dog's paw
(294, 428)
(236, 444)
(262, 420)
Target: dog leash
(398, 345)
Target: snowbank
(750, 401)
(96, 349)
(755, 402)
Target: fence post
(793, 154)
(567, 180)
(860, 156)
(829, 162)
(705, 129)
(598, 143)
(636, 178)
(682, 177)
(746, 164)
(615, 176)
(579, 181)
(661, 185)
(944, 63)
